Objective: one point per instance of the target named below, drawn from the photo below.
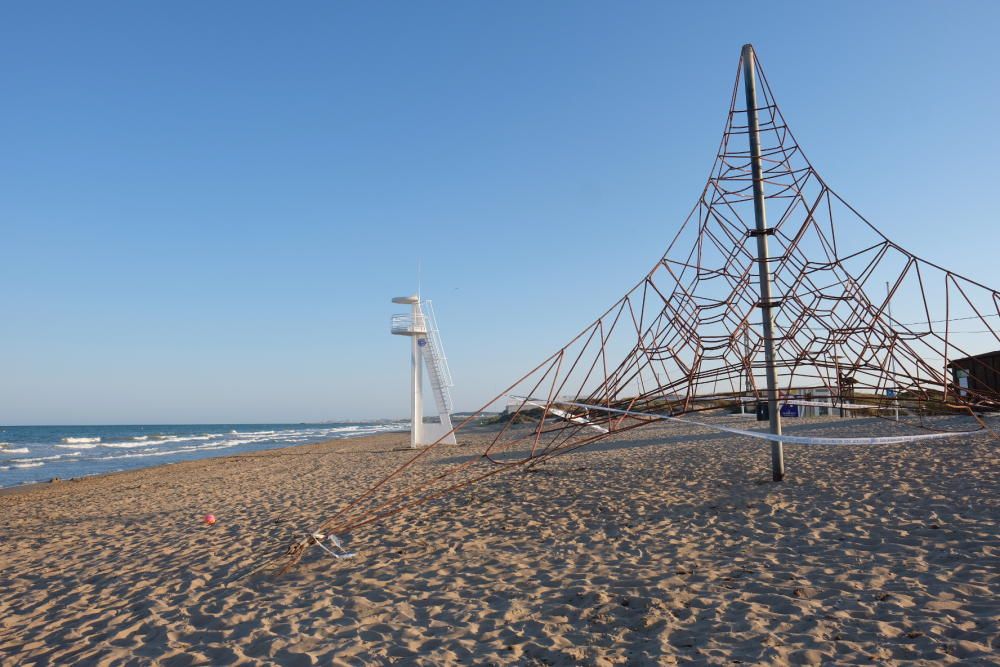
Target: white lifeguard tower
(421, 327)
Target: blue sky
(207, 206)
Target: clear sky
(206, 206)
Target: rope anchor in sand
(319, 538)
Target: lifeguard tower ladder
(421, 327)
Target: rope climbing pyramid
(774, 287)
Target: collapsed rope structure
(858, 319)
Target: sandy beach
(662, 545)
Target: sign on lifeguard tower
(421, 327)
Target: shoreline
(32, 487)
(66, 453)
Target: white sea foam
(44, 458)
(143, 453)
(141, 441)
(343, 429)
(177, 446)
(187, 449)
(186, 438)
(225, 445)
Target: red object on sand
(209, 519)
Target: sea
(41, 453)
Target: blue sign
(421, 342)
(891, 393)
(789, 410)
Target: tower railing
(437, 362)
(435, 335)
(403, 324)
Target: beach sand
(663, 545)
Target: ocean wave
(44, 458)
(256, 435)
(147, 452)
(160, 439)
(188, 449)
(95, 455)
(186, 438)
(225, 445)
(338, 432)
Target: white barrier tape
(795, 401)
(790, 439)
(850, 406)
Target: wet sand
(663, 545)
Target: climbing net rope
(857, 317)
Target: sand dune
(664, 545)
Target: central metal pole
(892, 352)
(763, 267)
